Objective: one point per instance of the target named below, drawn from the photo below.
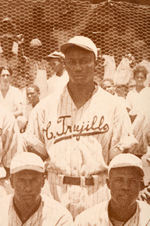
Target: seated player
(27, 206)
(125, 181)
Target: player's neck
(139, 88)
(25, 211)
(121, 214)
(80, 94)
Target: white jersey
(13, 99)
(8, 137)
(100, 127)
(98, 216)
(56, 83)
(49, 212)
(102, 116)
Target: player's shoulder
(5, 201)
(107, 97)
(54, 207)
(92, 214)
(144, 206)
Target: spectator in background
(131, 85)
(11, 51)
(37, 68)
(133, 97)
(59, 78)
(32, 98)
(108, 85)
(8, 146)
(125, 181)
(10, 97)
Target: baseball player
(27, 207)
(83, 111)
(125, 181)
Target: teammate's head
(108, 85)
(125, 180)
(140, 75)
(56, 61)
(27, 177)
(33, 93)
(80, 59)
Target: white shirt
(56, 83)
(13, 99)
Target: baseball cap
(26, 161)
(125, 160)
(82, 42)
(56, 55)
(35, 42)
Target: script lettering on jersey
(65, 131)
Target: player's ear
(142, 185)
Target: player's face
(5, 78)
(32, 95)
(108, 87)
(125, 185)
(80, 65)
(140, 79)
(27, 185)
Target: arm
(9, 138)
(33, 137)
(122, 139)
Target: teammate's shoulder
(92, 213)
(53, 204)
(143, 205)
(54, 207)
(104, 95)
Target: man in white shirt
(125, 181)
(27, 207)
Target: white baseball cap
(57, 55)
(26, 161)
(125, 160)
(80, 41)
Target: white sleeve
(9, 138)
(122, 131)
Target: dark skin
(80, 64)
(125, 184)
(27, 185)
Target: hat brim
(64, 47)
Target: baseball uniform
(49, 212)
(102, 118)
(98, 215)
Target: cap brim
(64, 47)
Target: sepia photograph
(75, 113)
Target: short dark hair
(35, 87)
(6, 68)
(138, 69)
